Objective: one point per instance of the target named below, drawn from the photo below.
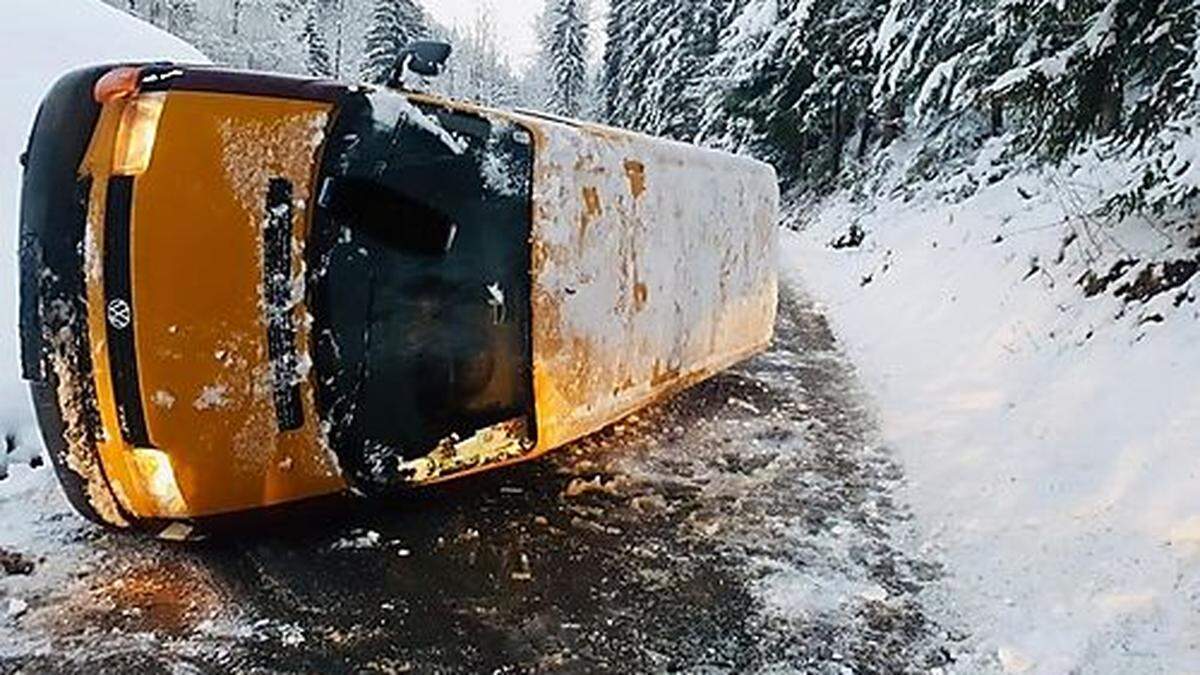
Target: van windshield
(419, 280)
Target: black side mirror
(423, 58)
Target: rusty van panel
(201, 313)
(654, 267)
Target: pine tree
(174, 16)
(287, 10)
(673, 103)
(800, 85)
(626, 69)
(394, 24)
(316, 49)
(479, 72)
(933, 58)
(536, 79)
(565, 45)
(653, 77)
(1063, 83)
(610, 68)
(1163, 64)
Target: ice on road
(746, 525)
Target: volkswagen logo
(119, 314)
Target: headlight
(158, 479)
(136, 134)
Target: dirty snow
(1049, 440)
(287, 142)
(164, 399)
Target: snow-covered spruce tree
(749, 34)
(1066, 81)
(797, 85)
(316, 49)
(565, 44)
(1114, 74)
(933, 58)
(174, 16)
(478, 71)
(657, 52)
(1162, 62)
(625, 68)
(394, 24)
(288, 10)
(265, 34)
(684, 73)
(1079, 62)
(1164, 90)
(535, 81)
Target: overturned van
(242, 290)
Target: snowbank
(40, 40)
(1050, 440)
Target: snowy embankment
(41, 40)
(1050, 439)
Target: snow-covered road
(1042, 434)
(746, 525)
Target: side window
(425, 167)
(391, 217)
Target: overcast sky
(514, 22)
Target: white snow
(759, 18)
(164, 399)
(212, 397)
(39, 41)
(358, 540)
(1050, 441)
(16, 608)
(414, 116)
(940, 79)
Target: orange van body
(154, 348)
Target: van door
(420, 283)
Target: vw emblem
(119, 314)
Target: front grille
(118, 311)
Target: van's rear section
(163, 223)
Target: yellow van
(241, 290)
